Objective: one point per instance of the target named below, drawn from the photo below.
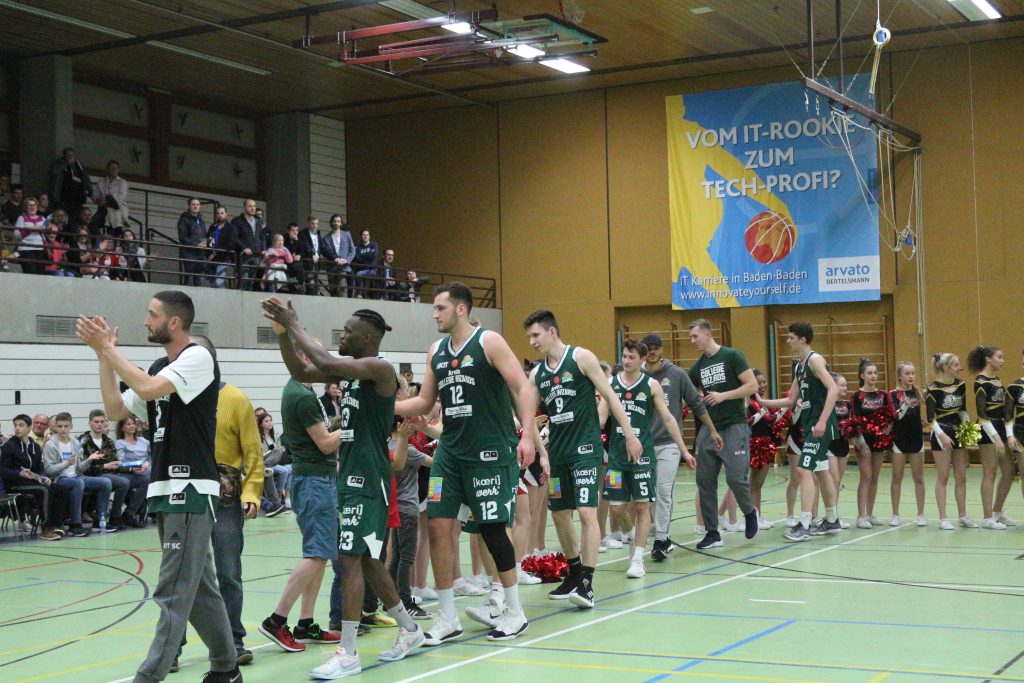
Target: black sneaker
(583, 596)
(131, 520)
(175, 667)
(275, 511)
(417, 612)
(711, 540)
(826, 527)
(361, 630)
(243, 656)
(660, 551)
(223, 676)
(563, 591)
(79, 531)
(750, 520)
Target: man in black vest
(178, 398)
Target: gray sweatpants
(735, 456)
(667, 457)
(187, 592)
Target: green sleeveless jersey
(812, 397)
(366, 419)
(636, 399)
(573, 425)
(476, 407)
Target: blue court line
(728, 648)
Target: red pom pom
(877, 425)
(781, 427)
(762, 452)
(549, 568)
(852, 426)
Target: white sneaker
(763, 523)
(946, 525)
(790, 522)
(26, 528)
(526, 578)
(922, 520)
(723, 523)
(405, 642)
(863, 523)
(481, 580)
(815, 522)
(601, 547)
(611, 543)
(992, 523)
(617, 535)
(875, 521)
(968, 523)
(488, 614)
(442, 631)
(843, 524)
(340, 665)
(463, 587)
(510, 625)
(699, 529)
(894, 520)
(636, 570)
(1005, 520)
(425, 593)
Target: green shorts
(814, 454)
(622, 486)
(364, 525)
(484, 494)
(573, 485)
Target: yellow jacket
(238, 441)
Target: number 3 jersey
(636, 399)
(573, 424)
(476, 408)
(364, 465)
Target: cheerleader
(990, 399)
(1015, 422)
(794, 446)
(945, 400)
(762, 444)
(839, 449)
(907, 440)
(868, 400)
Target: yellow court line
(84, 667)
(880, 677)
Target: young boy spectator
(403, 557)
(99, 459)
(21, 466)
(62, 458)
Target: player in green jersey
(476, 466)
(567, 379)
(630, 478)
(364, 476)
(814, 387)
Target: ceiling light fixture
(976, 10)
(526, 51)
(564, 65)
(701, 10)
(460, 27)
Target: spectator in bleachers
(62, 458)
(291, 243)
(84, 217)
(28, 230)
(218, 262)
(134, 454)
(114, 186)
(45, 210)
(365, 265)
(70, 186)
(40, 425)
(411, 287)
(246, 237)
(79, 256)
(99, 457)
(192, 234)
(64, 231)
(282, 470)
(133, 257)
(103, 261)
(12, 207)
(338, 252)
(387, 278)
(56, 253)
(21, 466)
(309, 254)
(331, 401)
(276, 264)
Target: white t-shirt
(190, 373)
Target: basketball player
(368, 385)
(567, 379)
(476, 466)
(178, 399)
(815, 389)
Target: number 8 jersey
(476, 408)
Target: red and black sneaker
(314, 634)
(282, 636)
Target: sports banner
(765, 203)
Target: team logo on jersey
(356, 482)
(666, 382)
(629, 395)
(566, 376)
(585, 449)
(179, 471)
(554, 487)
(488, 456)
(354, 385)
(434, 487)
(178, 498)
(467, 361)
(613, 479)
(641, 396)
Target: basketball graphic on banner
(770, 237)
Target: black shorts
(839, 448)
(1000, 429)
(872, 443)
(911, 442)
(950, 431)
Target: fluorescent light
(701, 10)
(564, 65)
(976, 10)
(460, 27)
(209, 58)
(526, 51)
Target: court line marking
(800, 579)
(790, 602)
(659, 601)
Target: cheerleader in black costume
(868, 400)
(839, 449)
(990, 401)
(907, 439)
(762, 444)
(946, 402)
(1015, 422)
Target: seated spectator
(64, 231)
(276, 458)
(134, 453)
(99, 458)
(411, 287)
(192, 238)
(11, 208)
(62, 458)
(103, 261)
(21, 467)
(28, 230)
(79, 255)
(218, 261)
(276, 264)
(365, 265)
(133, 257)
(84, 217)
(115, 187)
(338, 252)
(70, 186)
(56, 262)
(387, 278)
(40, 425)
(309, 255)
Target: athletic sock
(575, 567)
(638, 554)
(304, 623)
(497, 593)
(446, 601)
(588, 574)
(831, 514)
(349, 631)
(512, 599)
(805, 519)
(277, 620)
(399, 614)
